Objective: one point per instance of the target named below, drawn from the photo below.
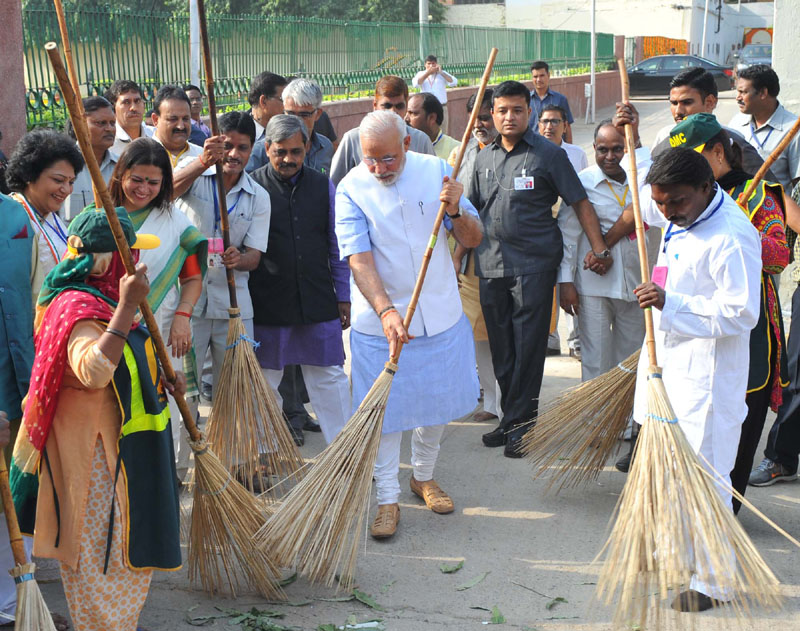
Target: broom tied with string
(671, 522)
(319, 524)
(224, 515)
(245, 418)
(32, 613)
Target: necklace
(494, 166)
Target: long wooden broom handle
(73, 75)
(212, 112)
(99, 183)
(426, 259)
(644, 265)
(14, 535)
(776, 153)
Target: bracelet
(387, 312)
(383, 311)
(183, 313)
(456, 216)
(200, 157)
(117, 332)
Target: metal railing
(344, 57)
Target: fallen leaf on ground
(497, 617)
(555, 601)
(451, 569)
(388, 586)
(368, 600)
(472, 583)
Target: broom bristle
(671, 524)
(575, 435)
(225, 517)
(246, 426)
(319, 524)
(32, 612)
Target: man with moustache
(436, 381)
(464, 260)
(248, 215)
(425, 113)
(518, 178)
(300, 288)
(101, 123)
(126, 97)
(391, 94)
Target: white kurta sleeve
(733, 306)
(570, 232)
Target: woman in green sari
(142, 183)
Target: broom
(575, 435)
(245, 418)
(319, 524)
(671, 520)
(32, 612)
(225, 515)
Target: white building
(726, 21)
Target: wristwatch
(603, 255)
(456, 216)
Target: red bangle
(183, 313)
(200, 157)
(387, 312)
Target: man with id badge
(248, 213)
(706, 290)
(518, 178)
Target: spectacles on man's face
(387, 161)
(550, 121)
(303, 115)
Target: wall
(476, 14)
(346, 115)
(12, 94)
(786, 51)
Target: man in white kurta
(611, 322)
(385, 209)
(706, 294)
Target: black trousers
(292, 389)
(517, 313)
(753, 425)
(783, 444)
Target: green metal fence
(344, 57)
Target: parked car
(652, 76)
(754, 54)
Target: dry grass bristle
(671, 524)
(575, 435)
(32, 612)
(319, 524)
(225, 517)
(247, 427)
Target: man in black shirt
(517, 180)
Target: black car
(652, 76)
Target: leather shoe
(386, 520)
(310, 425)
(435, 499)
(692, 601)
(514, 441)
(495, 438)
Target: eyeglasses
(388, 161)
(303, 115)
(550, 121)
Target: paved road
(504, 526)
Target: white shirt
(260, 129)
(186, 156)
(82, 194)
(249, 213)
(123, 139)
(394, 223)
(713, 295)
(764, 139)
(436, 84)
(609, 198)
(577, 156)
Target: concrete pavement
(533, 548)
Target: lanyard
(621, 202)
(174, 159)
(38, 219)
(671, 234)
(758, 142)
(217, 217)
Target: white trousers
(328, 392)
(8, 589)
(491, 389)
(424, 451)
(611, 330)
(212, 335)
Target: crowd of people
(328, 234)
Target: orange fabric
(87, 410)
(97, 601)
(191, 267)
